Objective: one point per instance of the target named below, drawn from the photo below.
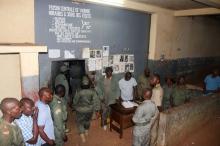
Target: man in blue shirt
(45, 122)
(212, 82)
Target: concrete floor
(208, 135)
(97, 136)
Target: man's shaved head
(8, 104)
(26, 100)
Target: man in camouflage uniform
(143, 82)
(10, 133)
(59, 115)
(144, 119)
(85, 103)
(180, 93)
(61, 79)
(108, 91)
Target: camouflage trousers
(141, 136)
(105, 114)
(83, 121)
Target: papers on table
(128, 104)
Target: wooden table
(121, 118)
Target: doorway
(76, 70)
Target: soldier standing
(10, 133)
(59, 115)
(85, 103)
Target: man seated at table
(128, 87)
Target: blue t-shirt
(212, 83)
(45, 119)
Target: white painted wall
(17, 21)
(183, 37)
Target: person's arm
(33, 140)
(96, 104)
(135, 94)
(45, 137)
(75, 99)
(41, 121)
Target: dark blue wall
(114, 27)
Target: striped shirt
(26, 125)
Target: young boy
(10, 133)
(144, 119)
(85, 103)
(28, 122)
(59, 115)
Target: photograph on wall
(105, 50)
(98, 54)
(130, 58)
(127, 67)
(121, 58)
(125, 58)
(131, 67)
(92, 53)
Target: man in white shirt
(45, 122)
(128, 87)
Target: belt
(141, 124)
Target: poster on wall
(105, 50)
(105, 61)
(69, 54)
(91, 64)
(98, 64)
(85, 53)
(120, 63)
(54, 53)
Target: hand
(51, 142)
(65, 138)
(35, 115)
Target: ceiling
(175, 4)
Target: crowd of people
(25, 123)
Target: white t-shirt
(45, 119)
(126, 88)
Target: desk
(122, 116)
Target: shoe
(105, 127)
(86, 132)
(67, 130)
(83, 138)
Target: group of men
(25, 123)
(43, 123)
